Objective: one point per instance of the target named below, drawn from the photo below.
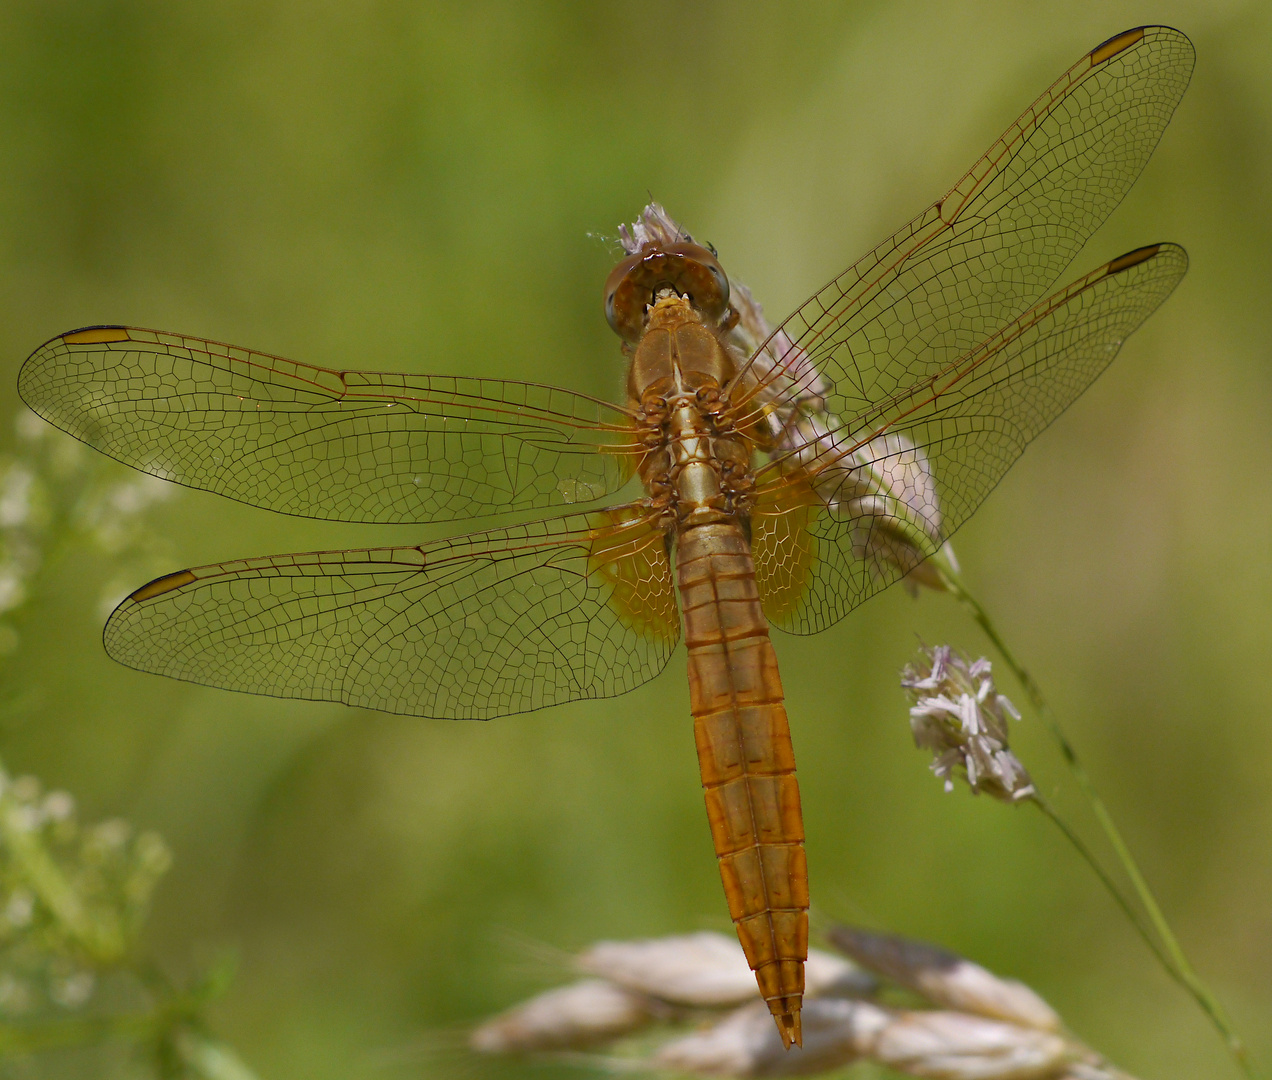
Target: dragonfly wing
(468, 628)
(998, 241)
(336, 445)
(835, 528)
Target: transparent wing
(338, 445)
(843, 516)
(997, 242)
(469, 628)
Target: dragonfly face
(789, 473)
(678, 269)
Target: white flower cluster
(72, 896)
(53, 491)
(959, 716)
(981, 1027)
(72, 901)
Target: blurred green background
(418, 186)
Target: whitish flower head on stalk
(886, 489)
(654, 226)
(959, 716)
(883, 484)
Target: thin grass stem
(1168, 950)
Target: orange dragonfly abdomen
(697, 470)
(746, 760)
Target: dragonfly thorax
(677, 351)
(696, 464)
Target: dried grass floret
(982, 1026)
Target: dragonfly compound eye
(687, 269)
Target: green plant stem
(1109, 884)
(209, 1058)
(1178, 965)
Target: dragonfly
(787, 473)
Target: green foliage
(73, 899)
(74, 896)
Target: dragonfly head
(685, 269)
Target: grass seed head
(958, 714)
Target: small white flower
(15, 496)
(59, 805)
(15, 995)
(136, 495)
(959, 716)
(113, 593)
(29, 426)
(24, 818)
(113, 832)
(20, 908)
(25, 789)
(12, 589)
(153, 855)
(72, 991)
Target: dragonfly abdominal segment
(746, 762)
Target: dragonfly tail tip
(788, 1026)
